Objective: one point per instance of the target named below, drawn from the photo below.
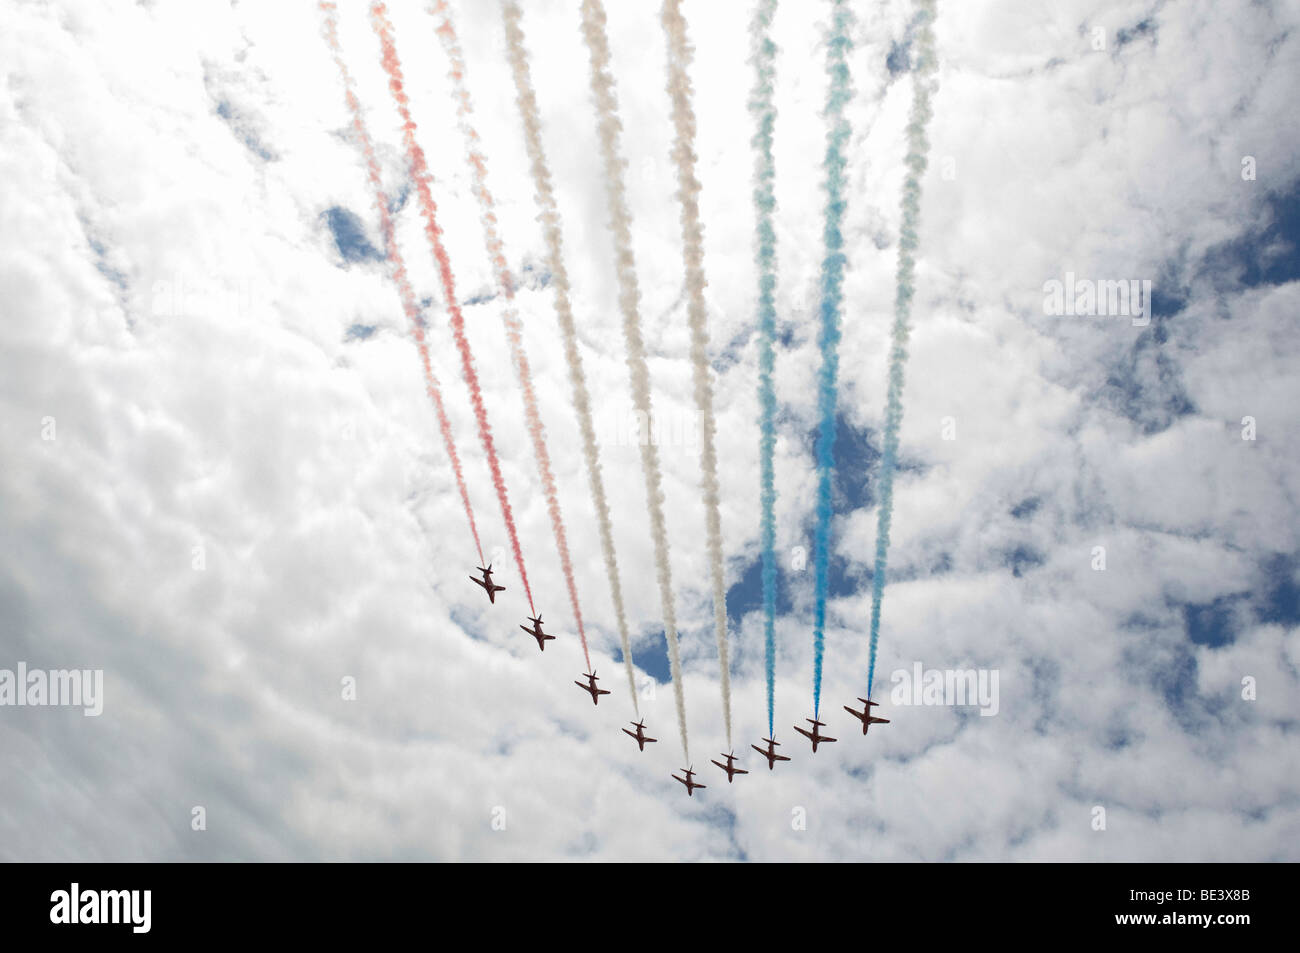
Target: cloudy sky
(223, 484)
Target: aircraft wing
(806, 734)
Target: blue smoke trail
(917, 147)
(764, 111)
(838, 48)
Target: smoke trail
(832, 280)
(404, 290)
(550, 217)
(620, 224)
(420, 173)
(918, 145)
(764, 110)
(514, 329)
(680, 53)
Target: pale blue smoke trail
(838, 47)
(764, 111)
(917, 147)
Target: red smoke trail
(514, 329)
(420, 173)
(400, 278)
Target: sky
(224, 486)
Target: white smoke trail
(680, 54)
(550, 217)
(620, 225)
(762, 106)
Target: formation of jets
(642, 739)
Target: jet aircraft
(488, 585)
(690, 785)
(730, 767)
(815, 736)
(537, 633)
(641, 738)
(770, 754)
(865, 715)
(591, 687)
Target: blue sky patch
(350, 235)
